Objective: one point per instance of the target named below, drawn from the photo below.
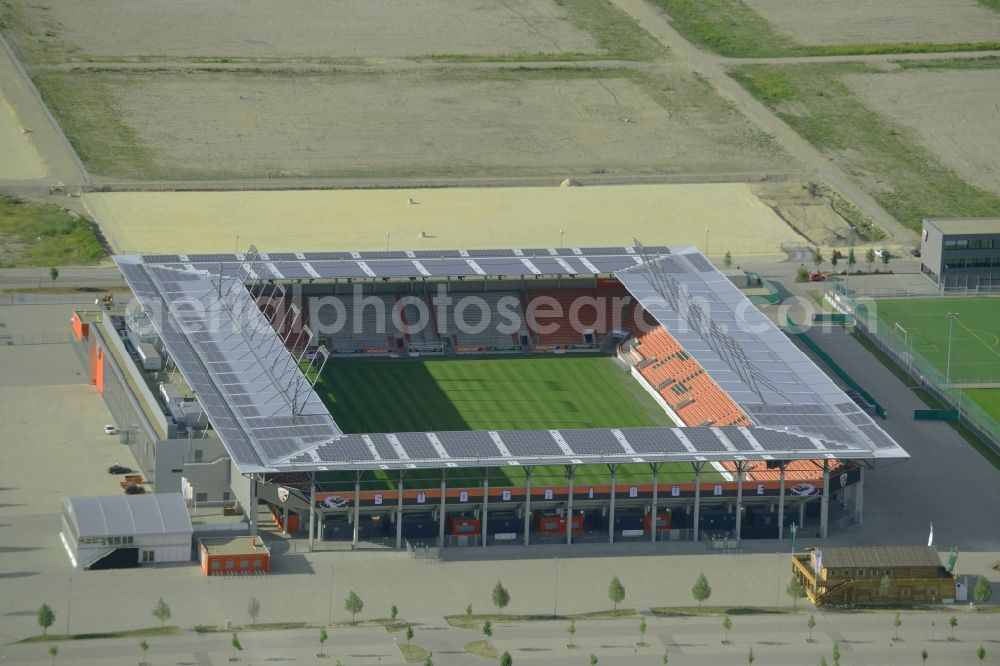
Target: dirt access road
(712, 68)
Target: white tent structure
(126, 530)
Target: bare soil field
(952, 113)
(829, 22)
(453, 218)
(18, 158)
(301, 28)
(564, 123)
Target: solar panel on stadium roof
(383, 254)
(547, 266)
(700, 262)
(501, 266)
(317, 256)
(293, 271)
(447, 267)
(195, 258)
(737, 438)
(654, 440)
(281, 256)
(531, 443)
(491, 253)
(593, 442)
(704, 440)
(160, 258)
(612, 264)
(383, 446)
(417, 445)
(473, 444)
(392, 268)
(347, 448)
(338, 269)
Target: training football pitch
(975, 346)
(509, 393)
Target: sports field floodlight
(952, 316)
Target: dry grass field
(952, 113)
(882, 22)
(222, 125)
(300, 28)
(451, 218)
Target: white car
(110, 430)
(803, 489)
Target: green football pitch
(511, 393)
(923, 323)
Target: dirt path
(61, 162)
(710, 67)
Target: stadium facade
(764, 437)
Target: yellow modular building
(854, 576)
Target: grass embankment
(475, 621)
(413, 653)
(894, 168)
(131, 633)
(702, 611)
(45, 235)
(483, 649)
(731, 28)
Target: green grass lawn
(512, 393)
(975, 353)
(988, 399)
(45, 235)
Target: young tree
(666, 656)
(983, 592)
(54, 650)
(885, 586)
(852, 259)
(836, 654)
(54, 273)
(923, 657)
(393, 612)
(161, 611)
(811, 623)
(727, 259)
(501, 597)
(642, 631)
(817, 258)
(834, 259)
(409, 633)
(981, 653)
(237, 646)
(701, 590)
(353, 605)
(506, 659)
(896, 622)
(870, 258)
(795, 590)
(428, 662)
(886, 256)
(952, 622)
(750, 656)
(253, 610)
(822, 661)
(468, 609)
(322, 641)
(46, 618)
(593, 659)
(727, 624)
(571, 630)
(487, 630)
(143, 648)
(802, 274)
(616, 593)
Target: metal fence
(926, 375)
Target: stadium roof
(965, 225)
(244, 377)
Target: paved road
(870, 58)
(101, 276)
(709, 66)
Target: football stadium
(478, 398)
